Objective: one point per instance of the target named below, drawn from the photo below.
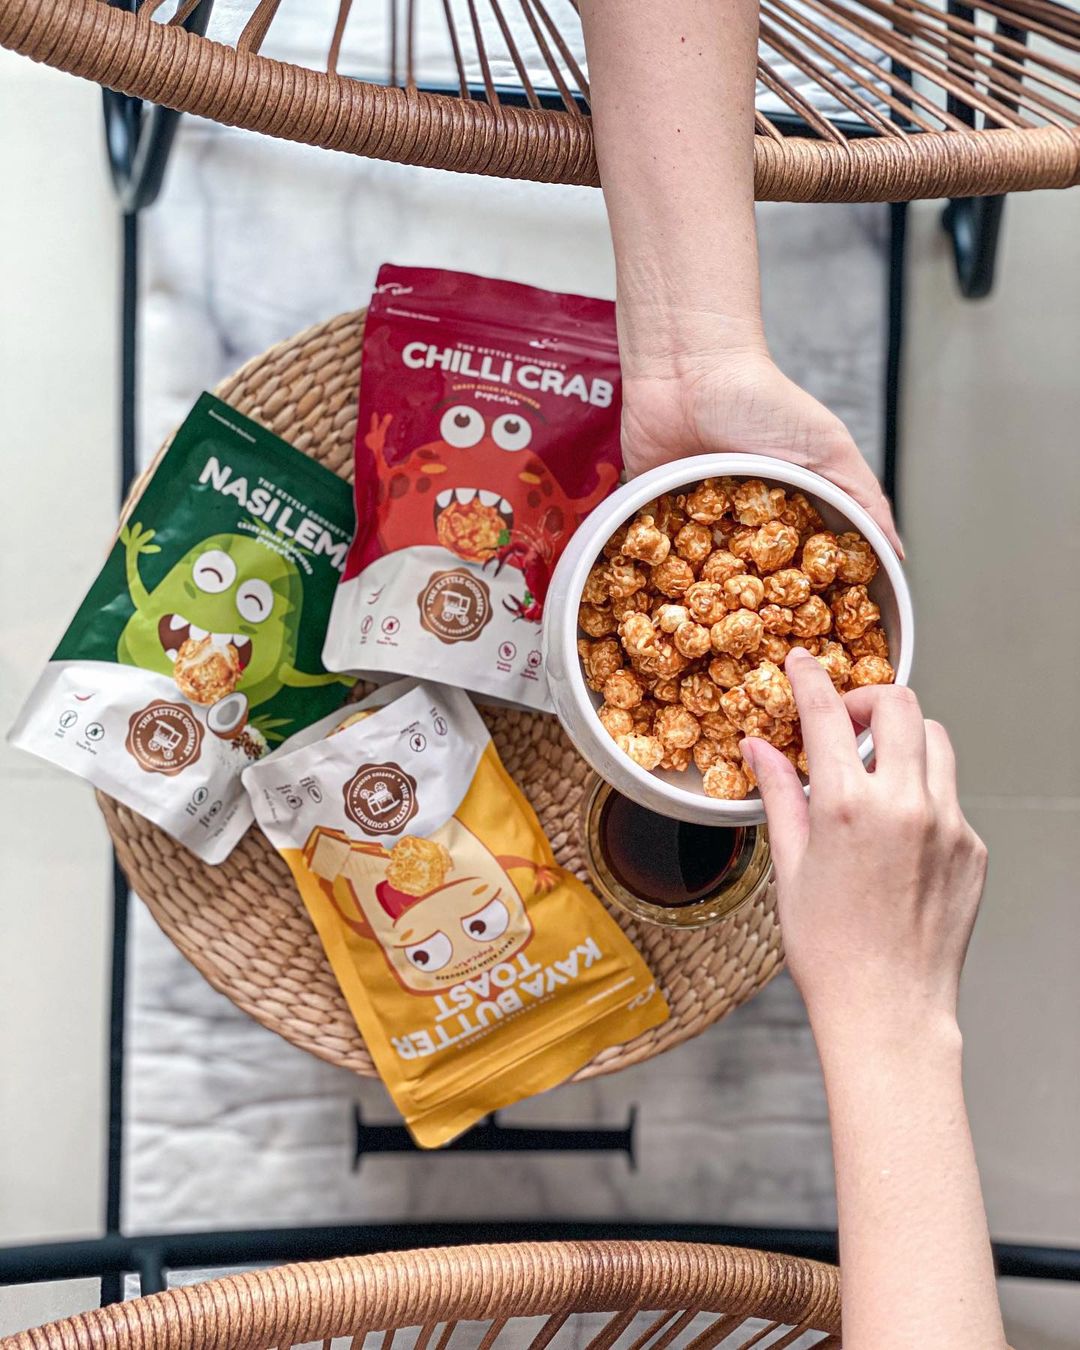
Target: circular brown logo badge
(381, 798)
(455, 606)
(164, 738)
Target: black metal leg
(974, 224)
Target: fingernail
(799, 654)
(748, 753)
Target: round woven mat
(243, 925)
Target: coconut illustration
(228, 716)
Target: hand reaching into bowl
(879, 878)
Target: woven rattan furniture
(242, 923)
(921, 99)
(636, 1295)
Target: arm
(672, 93)
(879, 881)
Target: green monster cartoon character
(230, 588)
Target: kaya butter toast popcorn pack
(488, 429)
(198, 644)
(477, 970)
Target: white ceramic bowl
(680, 795)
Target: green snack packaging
(198, 646)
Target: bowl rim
(580, 556)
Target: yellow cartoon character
(442, 909)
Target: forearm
(672, 92)
(914, 1247)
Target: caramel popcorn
(418, 866)
(646, 542)
(673, 577)
(811, 618)
(854, 612)
(719, 565)
(600, 659)
(777, 619)
(743, 592)
(644, 750)
(770, 689)
(698, 694)
(206, 669)
(871, 670)
(623, 689)
(821, 559)
(788, 587)
(708, 502)
(774, 545)
(694, 542)
(597, 621)
(737, 633)
(692, 639)
(756, 504)
(726, 780)
(707, 593)
(858, 561)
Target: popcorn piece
(719, 565)
(788, 587)
(770, 689)
(705, 601)
(871, 670)
(727, 671)
(754, 721)
(669, 618)
(677, 759)
(596, 621)
(623, 578)
(854, 612)
(698, 694)
(738, 633)
(616, 721)
(773, 648)
(802, 515)
(206, 670)
(872, 643)
(811, 618)
(739, 541)
(708, 502)
(600, 660)
(595, 590)
(726, 781)
(821, 559)
(756, 504)
(644, 715)
(743, 592)
(644, 750)
(837, 662)
(638, 635)
(814, 645)
(613, 547)
(646, 542)
(719, 728)
(692, 639)
(623, 689)
(664, 661)
(638, 603)
(665, 689)
(708, 752)
(777, 619)
(670, 513)
(673, 577)
(774, 545)
(676, 728)
(694, 542)
(418, 866)
(858, 561)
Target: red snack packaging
(488, 430)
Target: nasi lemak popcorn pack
(488, 429)
(477, 970)
(198, 646)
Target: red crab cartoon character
(520, 518)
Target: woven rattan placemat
(243, 924)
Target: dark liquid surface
(666, 862)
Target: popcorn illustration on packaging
(198, 645)
(477, 970)
(488, 429)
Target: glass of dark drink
(667, 871)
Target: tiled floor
(991, 494)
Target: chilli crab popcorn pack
(488, 429)
(198, 645)
(477, 970)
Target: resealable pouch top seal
(478, 971)
(488, 429)
(198, 646)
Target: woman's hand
(741, 402)
(879, 876)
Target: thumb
(785, 802)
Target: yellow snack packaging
(478, 971)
